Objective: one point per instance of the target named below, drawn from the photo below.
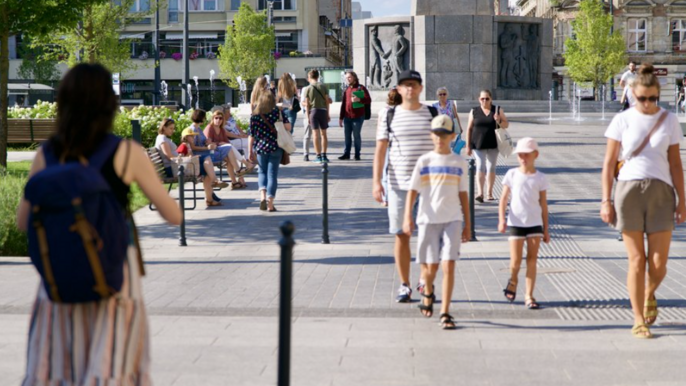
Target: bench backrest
(156, 159)
(30, 130)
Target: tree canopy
(247, 51)
(34, 17)
(594, 54)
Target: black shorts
(319, 119)
(523, 233)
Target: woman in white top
(644, 200)
(165, 145)
(238, 138)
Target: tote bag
(505, 144)
(283, 137)
(191, 165)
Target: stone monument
(459, 44)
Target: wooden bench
(156, 159)
(30, 130)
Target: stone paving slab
(213, 304)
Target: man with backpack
(404, 131)
(355, 109)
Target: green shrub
(149, 117)
(13, 242)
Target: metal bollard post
(136, 130)
(325, 203)
(182, 203)
(472, 175)
(286, 243)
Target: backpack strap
(108, 146)
(433, 111)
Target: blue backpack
(78, 232)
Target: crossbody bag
(620, 162)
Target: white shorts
(439, 242)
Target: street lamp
(197, 93)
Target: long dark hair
(86, 106)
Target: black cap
(410, 75)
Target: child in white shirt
(440, 180)
(528, 217)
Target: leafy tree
(594, 54)
(33, 67)
(95, 39)
(248, 49)
(34, 17)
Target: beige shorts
(645, 205)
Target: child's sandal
(510, 295)
(427, 310)
(447, 322)
(532, 304)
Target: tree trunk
(4, 79)
(92, 58)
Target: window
(678, 29)
(286, 42)
(204, 5)
(638, 33)
(140, 6)
(279, 5)
(235, 4)
(562, 33)
(173, 9)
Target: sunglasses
(442, 94)
(484, 99)
(642, 99)
(218, 118)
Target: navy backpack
(78, 232)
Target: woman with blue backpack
(88, 324)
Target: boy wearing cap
(528, 217)
(405, 138)
(440, 180)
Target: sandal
(237, 185)
(427, 310)
(650, 316)
(242, 171)
(213, 203)
(479, 199)
(532, 304)
(272, 209)
(510, 295)
(263, 205)
(447, 322)
(491, 198)
(641, 331)
(220, 184)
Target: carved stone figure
(508, 56)
(533, 48)
(522, 75)
(396, 55)
(376, 51)
(387, 75)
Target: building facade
(301, 39)
(654, 32)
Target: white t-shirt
(630, 128)
(161, 138)
(438, 178)
(628, 78)
(409, 140)
(525, 205)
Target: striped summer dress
(104, 343)
(410, 138)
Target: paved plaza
(213, 305)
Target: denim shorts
(397, 199)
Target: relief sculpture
(520, 52)
(385, 64)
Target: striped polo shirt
(410, 137)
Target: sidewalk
(213, 304)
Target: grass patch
(23, 146)
(13, 242)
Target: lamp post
(186, 69)
(612, 30)
(156, 92)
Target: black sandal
(510, 295)
(532, 304)
(479, 199)
(430, 308)
(447, 322)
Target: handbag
(505, 144)
(459, 144)
(620, 162)
(295, 106)
(456, 120)
(190, 164)
(285, 158)
(283, 136)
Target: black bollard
(182, 203)
(286, 243)
(136, 130)
(325, 203)
(472, 175)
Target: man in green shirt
(317, 103)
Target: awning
(191, 35)
(28, 86)
(132, 35)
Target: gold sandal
(650, 316)
(641, 331)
